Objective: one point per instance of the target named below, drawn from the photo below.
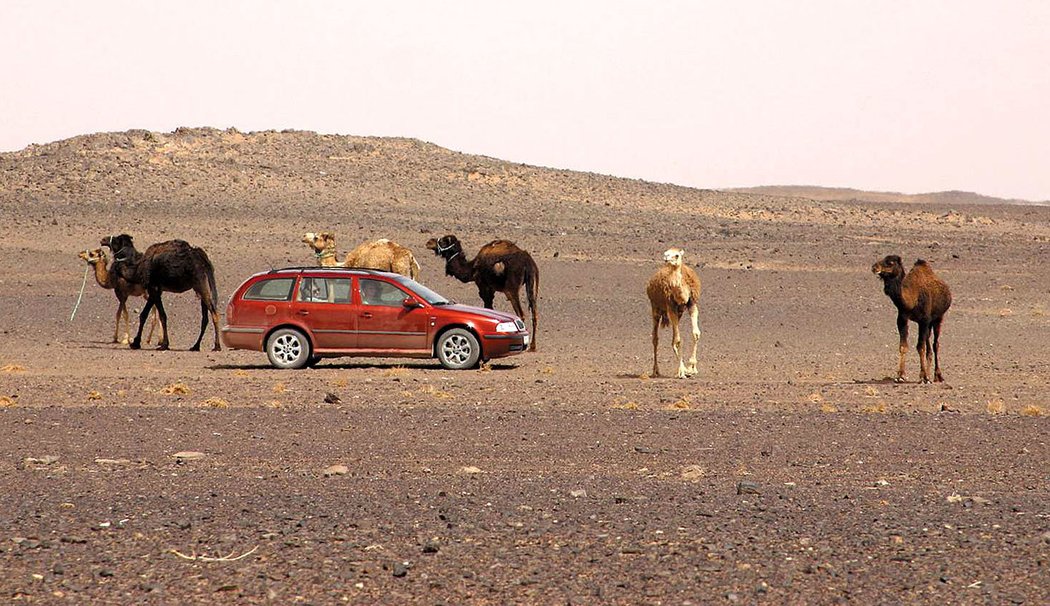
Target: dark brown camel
(500, 266)
(108, 279)
(920, 297)
(172, 266)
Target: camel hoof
(925, 381)
(216, 348)
(161, 347)
(195, 348)
(899, 380)
(135, 345)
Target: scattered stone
(578, 494)
(44, 460)
(431, 546)
(644, 450)
(629, 499)
(331, 398)
(112, 462)
(469, 470)
(692, 473)
(335, 470)
(747, 488)
(401, 569)
(188, 455)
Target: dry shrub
(7, 402)
(682, 403)
(430, 390)
(871, 391)
(215, 403)
(815, 398)
(1005, 312)
(628, 405)
(1038, 311)
(13, 368)
(827, 407)
(996, 406)
(94, 395)
(878, 408)
(176, 389)
(1032, 411)
(279, 388)
(340, 383)
(547, 370)
(395, 371)
(241, 373)
(274, 404)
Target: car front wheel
(288, 348)
(458, 349)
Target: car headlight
(506, 327)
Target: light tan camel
(381, 254)
(107, 279)
(674, 289)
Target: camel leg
(694, 319)
(921, 347)
(486, 297)
(902, 351)
(164, 342)
(215, 327)
(937, 376)
(122, 312)
(204, 326)
(152, 326)
(676, 343)
(137, 342)
(656, 343)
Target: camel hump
(500, 247)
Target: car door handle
(367, 315)
(303, 312)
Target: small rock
(331, 398)
(747, 488)
(188, 455)
(44, 460)
(1046, 537)
(692, 472)
(335, 470)
(401, 569)
(469, 470)
(644, 449)
(431, 546)
(112, 462)
(578, 494)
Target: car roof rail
(353, 270)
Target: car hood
(499, 316)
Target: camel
(500, 266)
(381, 254)
(108, 279)
(920, 297)
(171, 266)
(672, 290)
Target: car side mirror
(411, 303)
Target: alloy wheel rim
(287, 349)
(456, 349)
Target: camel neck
(457, 267)
(102, 274)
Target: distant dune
(813, 192)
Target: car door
(324, 305)
(384, 322)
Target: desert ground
(791, 469)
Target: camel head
(320, 242)
(447, 246)
(93, 256)
(122, 246)
(673, 256)
(888, 268)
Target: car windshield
(422, 291)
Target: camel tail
(415, 269)
(211, 278)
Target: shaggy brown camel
(107, 278)
(172, 266)
(500, 266)
(381, 254)
(923, 298)
(674, 289)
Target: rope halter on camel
(443, 249)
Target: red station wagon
(299, 315)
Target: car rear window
(276, 289)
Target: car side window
(324, 290)
(378, 292)
(277, 289)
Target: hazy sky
(896, 95)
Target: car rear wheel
(458, 349)
(288, 348)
